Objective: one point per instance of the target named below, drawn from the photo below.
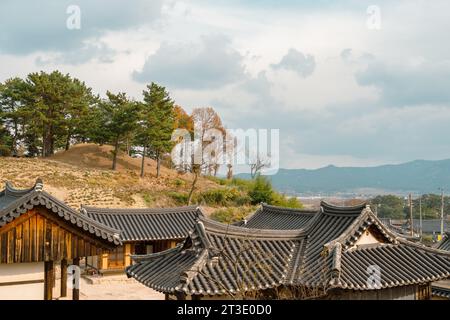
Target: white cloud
(210, 63)
(395, 109)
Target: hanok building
(39, 237)
(143, 231)
(441, 289)
(340, 253)
(445, 243)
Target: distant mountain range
(420, 176)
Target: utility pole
(411, 215)
(442, 213)
(420, 215)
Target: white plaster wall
(367, 238)
(16, 272)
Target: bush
(282, 201)
(230, 215)
(148, 198)
(5, 151)
(179, 197)
(261, 191)
(179, 182)
(220, 197)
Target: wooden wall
(39, 235)
(411, 292)
(108, 261)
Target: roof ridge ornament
(336, 266)
(39, 185)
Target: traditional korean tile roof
(445, 243)
(15, 202)
(147, 224)
(440, 292)
(273, 217)
(221, 259)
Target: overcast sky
(345, 85)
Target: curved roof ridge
(38, 197)
(117, 211)
(82, 217)
(239, 231)
(151, 256)
(327, 204)
(424, 247)
(294, 210)
(11, 190)
(332, 209)
(354, 231)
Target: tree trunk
(47, 145)
(116, 151)
(143, 162)
(158, 164)
(191, 192)
(230, 172)
(128, 147)
(69, 135)
(15, 138)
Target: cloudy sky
(346, 82)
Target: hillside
(420, 176)
(82, 175)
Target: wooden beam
(63, 278)
(76, 291)
(48, 280)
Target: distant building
(39, 237)
(339, 253)
(142, 231)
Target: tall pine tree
(117, 117)
(157, 123)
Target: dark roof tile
(19, 202)
(147, 224)
(219, 259)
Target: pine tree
(117, 117)
(157, 123)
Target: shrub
(261, 191)
(148, 198)
(5, 151)
(230, 215)
(179, 197)
(221, 197)
(179, 182)
(282, 201)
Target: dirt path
(117, 290)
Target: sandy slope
(82, 175)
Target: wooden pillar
(63, 278)
(104, 261)
(76, 291)
(48, 280)
(127, 252)
(180, 296)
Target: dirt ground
(117, 290)
(83, 175)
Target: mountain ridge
(417, 176)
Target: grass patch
(232, 214)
